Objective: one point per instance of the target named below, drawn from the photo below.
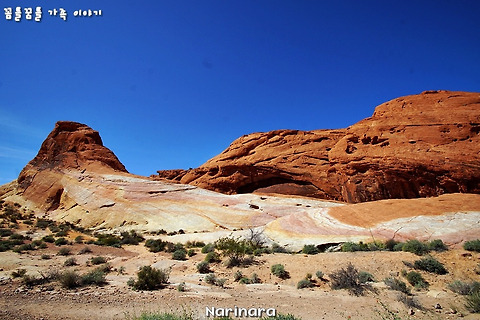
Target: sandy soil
(117, 301)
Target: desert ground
(116, 300)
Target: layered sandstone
(414, 146)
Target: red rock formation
(414, 146)
(70, 145)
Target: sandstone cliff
(414, 146)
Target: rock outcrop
(414, 146)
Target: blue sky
(169, 84)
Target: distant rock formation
(415, 146)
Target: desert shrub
(149, 278)
(179, 254)
(5, 232)
(234, 249)
(16, 236)
(98, 260)
(279, 271)
(220, 282)
(260, 251)
(42, 223)
(6, 245)
(18, 273)
(43, 245)
(473, 302)
(437, 245)
(464, 288)
(212, 257)
(398, 246)
(171, 247)
(409, 301)
(110, 240)
(255, 278)
(473, 245)
(210, 278)
(195, 244)
(430, 264)
(70, 262)
(85, 250)
(79, 239)
(46, 257)
(244, 280)
(365, 277)
(304, 283)
(49, 239)
(24, 247)
(155, 245)
(416, 247)
(61, 241)
(94, 277)
(132, 237)
(37, 243)
(237, 275)
(208, 248)
(310, 249)
(347, 278)
(203, 267)
(319, 274)
(61, 233)
(190, 252)
(397, 285)
(308, 276)
(416, 280)
(390, 244)
(352, 247)
(181, 287)
(70, 279)
(105, 268)
(255, 238)
(64, 252)
(276, 248)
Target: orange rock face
(70, 145)
(414, 146)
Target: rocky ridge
(414, 146)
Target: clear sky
(169, 84)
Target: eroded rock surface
(414, 146)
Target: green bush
(131, 237)
(210, 278)
(64, 252)
(5, 232)
(195, 244)
(365, 277)
(234, 249)
(79, 239)
(398, 246)
(60, 241)
(437, 245)
(70, 262)
(255, 278)
(473, 302)
(70, 279)
(108, 240)
(430, 264)
(464, 288)
(416, 247)
(416, 280)
(310, 249)
(24, 247)
(155, 245)
(98, 260)
(276, 248)
(319, 274)
(203, 267)
(304, 283)
(149, 278)
(94, 277)
(190, 252)
(279, 271)
(85, 250)
(46, 257)
(473, 245)
(208, 248)
(179, 255)
(212, 257)
(397, 285)
(347, 278)
(237, 275)
(352, 247)
(181, 287)
(49, 239)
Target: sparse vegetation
(234, 249)
(85, 250)
(64, 252)
(347, 278)
(464, 288)
(430, 264)
(149, 278)
(155, 245)
(304, 283)
(212, 257)
(309, 249)
(98, 260)
(416, 280)
(473, 302)
(397, 285)
(437, 245)
(179, 255)
(203, 267)
(212, 279)
(60, 241)
(70, 262)
(279, 271)
(365, 277)
(319, 274)
(473, 245)
(416, 247)
(208, 248)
